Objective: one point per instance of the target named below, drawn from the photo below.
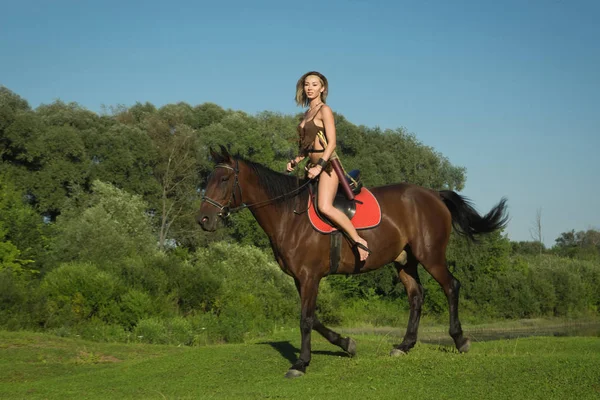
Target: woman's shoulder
(325, 108)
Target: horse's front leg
(308, 288)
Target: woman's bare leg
(328, 184)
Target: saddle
(363, 211)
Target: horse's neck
(271, 220)
(272, 216)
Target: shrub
(175, 330)
(151, 330)
(328, 305)
(435, 299)
(515, 297)
(144, 274)
(195, 286)
(135, 305)
(112, 228)
(180, 331)
(14, 296)
(100, 331)
(78, 292)
(254, 295)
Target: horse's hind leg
(345, 343)
(410, 278)
(435, 264)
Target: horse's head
(223, 191)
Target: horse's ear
(226, 157)
(218, 158)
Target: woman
(311, 91)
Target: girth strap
(335, 251)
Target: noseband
(225, 210)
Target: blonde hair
(301, 98)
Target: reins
(225, 210)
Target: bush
(145, 274)
(515, 298)
(435, 301)
(329, 304)
(373, 312)
(135, 305)
(15, 296)
(543, 290)
(590, 275)
(178, 331)
(151, 330)
(565, 287)
(254, 296)
(205, 327)
(112, 228)
(78, 292)
(383, 281)
(97, 330)
(194, 286)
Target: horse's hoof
(397, 353)
(465, 346)
(351, 350)
(294, 373)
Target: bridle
(226, 210)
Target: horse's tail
(467, 221)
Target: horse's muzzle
(207, 223)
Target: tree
(46, 154)
(582, 244)
(207, 114)
(536, 230)
(124, 156)
(527, 247)
(21, 236)
(113, 226)
(176, 171)
(10, 106)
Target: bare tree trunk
(536, 230)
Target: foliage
(98, 236)
(21, 232)
(78, 292)
(527, 248)
(255, 295)
(112, 226)
(582, 245)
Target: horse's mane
(276, 184)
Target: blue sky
(507, 89)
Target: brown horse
(415, 228)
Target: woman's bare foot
(363, 250)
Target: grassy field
(41, 366)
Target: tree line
(97, 228)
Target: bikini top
(309, 132)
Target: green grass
(42, 366)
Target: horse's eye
(224, 179)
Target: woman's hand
(314, 171)
(291, 165)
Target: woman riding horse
(317, 136)
(415, 228)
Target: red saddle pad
(368, 214)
